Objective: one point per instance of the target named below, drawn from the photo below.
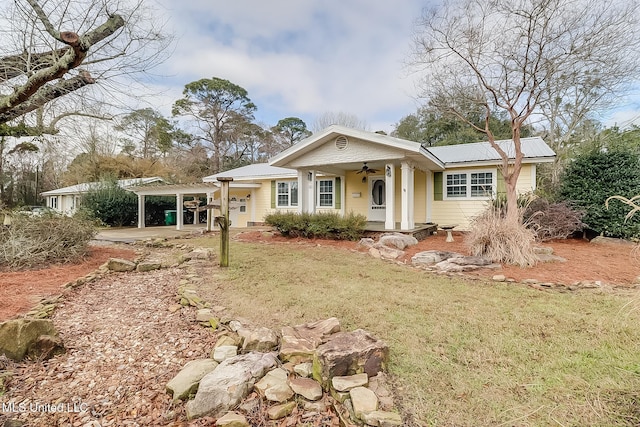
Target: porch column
(390, 196)
(141, 212)
(302, 194)
(407, 183)
(209, 219)
(196, 213)
(179, 203)
(308, 190)
(252, 205)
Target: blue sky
(302, 58)
(299, 58)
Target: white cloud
(301, 58)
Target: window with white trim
(479, 184)
(325, 193)
(53, 202)
(287, 194)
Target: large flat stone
(261, 339)
(186, 381)
(225, 387)
(363, 401)
(274, 386)
(307, 388)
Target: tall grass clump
(501, 241)
(33, 241)
(322, 225)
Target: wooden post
(223, 221)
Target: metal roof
(532, 148)
(255, 171)
(86, 186)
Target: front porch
(419, 231)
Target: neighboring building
(395, 183)
(66, 200)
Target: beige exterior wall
(461, 212)
(355, 197)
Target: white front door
(377, 198)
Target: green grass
(463, 353)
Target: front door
(377, 198)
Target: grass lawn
(463, 353)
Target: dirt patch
(609, 263)
(23, 289)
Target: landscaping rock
(367, 242)
(225, 339)
(33, 338)
(601, 240)
(120, 265)
(306, 387)
(232, 419)
(204, 315)
(224, 352)
(363, 401)
(148, 266)
(298, 343)
(274, 387)
(499, 278)
(397, 240)
(229, 383)
(346, 383)
(429, 258)
(187, 380)
(303, 369)
(381, 418)
(543, 250)
(386, 252)
(349, 353)
(261, 339)
(281, 411)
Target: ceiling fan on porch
(366, 169)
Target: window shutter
(338, 193)
(437, 186)
(273, 194)
(501, 187)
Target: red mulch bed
(22, 290)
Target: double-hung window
(325, 193)
(470, 185)
(287, 195)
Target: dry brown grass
(493, 237)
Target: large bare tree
(522, 56)
(50, 49)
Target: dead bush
(501, 241)
(32, 241)
(552, 220)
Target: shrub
(595, 176)
(552, 220)
(323, 225)
(501, 241)
(31, 241)
(111, 204)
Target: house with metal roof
(397, 184)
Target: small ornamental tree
(595, 176)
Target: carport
(182, 192)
